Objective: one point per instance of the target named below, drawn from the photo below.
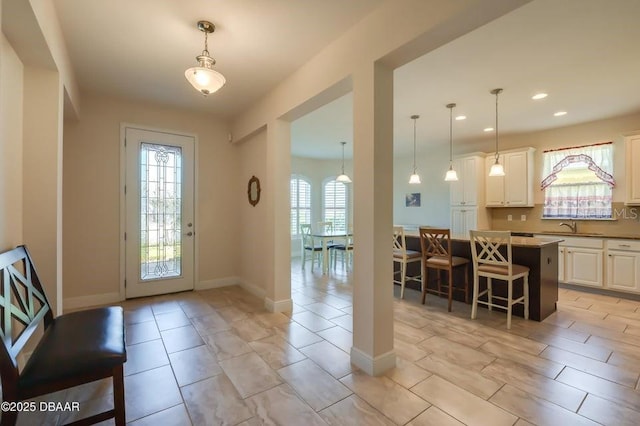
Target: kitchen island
(539, 254)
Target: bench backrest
(23, 305)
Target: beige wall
(252, 235)
(612, 129)
(92, 193)
(11, 97)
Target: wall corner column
(372, 349)
(276, 191)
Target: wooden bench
(76, 348)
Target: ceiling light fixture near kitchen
(559, 113)
(488, 129)
(414, 178)
(461, 117)
(497, 169)
(538, 96)
(203, 77)
(343, 178)
(451, 174)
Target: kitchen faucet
(573, 226)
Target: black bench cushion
(75, 344)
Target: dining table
(327, 238)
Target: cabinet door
(462, 221)
(561, 264)
(633, 170)
(456, 188)
(469, 179)
(470, 221)
(494, 185)
(516, 186)
(584, 266)
(623, 270)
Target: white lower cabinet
(623, 265)
(583, 266)
(612, 264)
(463, 220)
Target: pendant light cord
(414, 117)
(497, 92)
(343, 143)
(450, 136)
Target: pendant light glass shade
(451, 175)
(496, 169)
(203, 77)
(342, 177)
(414, 179)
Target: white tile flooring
(217, 357)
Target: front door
(159, 198)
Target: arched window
(300, 192)
(578, 181)
(335, 196)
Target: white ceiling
(140, 48)
(582, 52)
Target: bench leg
(118, 395)
(9, 418)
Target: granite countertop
(588, 235)
(515, 241)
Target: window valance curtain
(599, 159)
(588, 200)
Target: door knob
(189, 234)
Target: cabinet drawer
(594, 243)
(628, 245)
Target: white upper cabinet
(632, 145)
(515, 189)
(468, 189)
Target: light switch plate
(523, 218)
(509, 217)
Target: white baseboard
(92, 300)
(217, 283)
(285, 305)
(373, 366)
(253, 289)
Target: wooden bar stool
(436, 254)
(490, 263)
(403, 256)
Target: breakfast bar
(539, 254)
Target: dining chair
(309, 245)
(435, 244)
(344, 246)
(404, 257)
(492, 263)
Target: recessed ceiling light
(488, 129)
(461, 117)
(560, 113)
(539, 96)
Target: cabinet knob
(462, 202)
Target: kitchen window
(335, 204)
(578, 182)
(300, 192)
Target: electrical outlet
(509, 217)
(523, 217)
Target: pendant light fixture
(451, 174)
(203, 77)
(497, 169)
(343, 178)
(414, 178)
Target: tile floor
(217, 357)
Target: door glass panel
(160, 210)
